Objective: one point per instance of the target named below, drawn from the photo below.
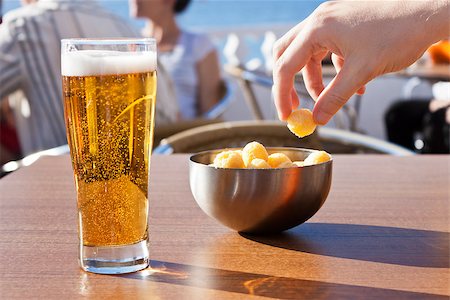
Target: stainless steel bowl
(260, 200)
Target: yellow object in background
(301, 122)
(440, 52)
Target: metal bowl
(260, 200)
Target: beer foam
(96, 62)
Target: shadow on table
(263, 285)
(391, 245)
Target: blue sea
(210, 15)
(216, 14)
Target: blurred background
(244, 31)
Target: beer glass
(109, 89)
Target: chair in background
(238, 133)
(29, 159)
(219, 109)
(212, 116)
(272, 134)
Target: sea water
(214, 14)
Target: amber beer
(109, 101)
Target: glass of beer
(109, 90)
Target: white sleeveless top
(181, 64)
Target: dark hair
(180, 5)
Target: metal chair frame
(238, 133)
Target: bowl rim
(192, 157)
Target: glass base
(114, 259)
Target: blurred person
(30, 64)
(423, 125)
(410, 120)
(190, 58)
(366, 39)
(9, 143)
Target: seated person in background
(9, 143)
(190, 58)
(30, 64)
(408, 120)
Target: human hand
(366, 39)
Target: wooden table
(382, 234)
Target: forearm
(210, 82)
(209, 97)
(435, 16)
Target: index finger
(282, 43)
(293, 59)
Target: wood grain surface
(383, 233)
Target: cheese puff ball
(286, 164)
(299, 163)
(317, 157)
(258, 163)
(301, 122)
(275, 159)
(229, 159)
(254, 150)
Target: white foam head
(97, 62)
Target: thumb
(347, 82)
